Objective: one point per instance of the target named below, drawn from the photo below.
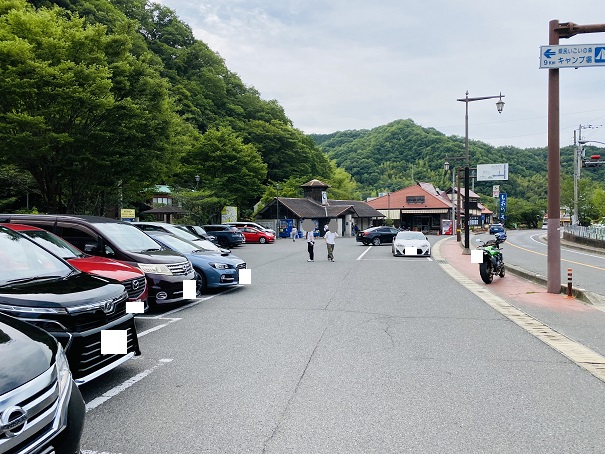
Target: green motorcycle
(492, 263)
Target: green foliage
(229, 168)
(202, 206)
(524, 213)
(80, 113)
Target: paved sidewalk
(580, 323)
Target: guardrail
(593, 235)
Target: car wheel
(223, 242)
(200, 284)
(262, 240)
(376, 241)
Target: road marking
(364, 253)
(563, 260)
(123, 386)
(155, 328)
(579, 354)
(84, 451)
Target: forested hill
(395, 155)
(102, 100)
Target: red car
(133, 279)
(253, 235)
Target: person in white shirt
(330, 237)
(294, 232)
(310, 245)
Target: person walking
(310, 245)
(294, 232)
(330, 237)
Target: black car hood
(161, 256)
(72, 291)
(25, 352)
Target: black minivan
(165, 269)
(44, 290)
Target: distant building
(422, 207)
(316, 206)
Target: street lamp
(466, 100)
(197, 181)
(277, 212)
(446, 166)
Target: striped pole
(569, 282)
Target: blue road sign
(572, 56)
(502, 206)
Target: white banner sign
(492, 172)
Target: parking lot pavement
(548, 316)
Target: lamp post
(466, 100)
(197, 181)
(446, 166)
(277, 212)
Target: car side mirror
(91, 248)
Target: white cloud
(353, 64)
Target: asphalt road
(369, 353)
(527, 249)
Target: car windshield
(181, 233)
(21, 259)
(183, 246)
(53, 243)
(198, 230)
(410, 236)
(127, 237)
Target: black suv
(41, 409)
(377, 235)
(44, 290)
(226, 235)
(165, 269)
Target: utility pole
(557, 30)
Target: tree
(79, 112)
(229, 169)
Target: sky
(338, 65)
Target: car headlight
(32, 310)
(219, 266)
(63, 372)
(154, 268)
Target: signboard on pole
(503, 207)
(492, 172)
(127, 214)
(572, 56)
(495, 191)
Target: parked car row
(64, 281)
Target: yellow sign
(127, 213)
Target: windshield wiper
(152, 250)
(29, 279)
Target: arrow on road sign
(549, 53)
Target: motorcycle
(492, 263)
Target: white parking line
(123, 386)
(84, 451)
(364, 253)
(155, 328)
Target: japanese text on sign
(572, 56)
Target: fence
(593, 235)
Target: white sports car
(408, 243)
